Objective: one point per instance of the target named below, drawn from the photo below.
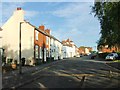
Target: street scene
(69, 44)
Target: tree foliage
(108, 14)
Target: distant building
(69, 49)
(105, 48)
(85, 50)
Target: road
(76, 73)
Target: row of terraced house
(37, 43)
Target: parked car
(81, 55)
(93, 55)
(111, 56)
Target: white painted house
(69, 48)
(55, 48)
(11, 37)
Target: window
(36, 51)
(40, 53)
(36, 35)
(47, 40)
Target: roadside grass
(117, 61)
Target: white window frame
(36, 35)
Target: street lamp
(20, 63)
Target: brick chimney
(19, 8)
(42, 27)
(47, 31)
(18, 14)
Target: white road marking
(41, 85)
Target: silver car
(111, 56)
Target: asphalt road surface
(76, 73)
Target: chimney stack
(42, 27)
(19, 8)
(47, 31)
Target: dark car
(93, 55)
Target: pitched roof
(67, 42)
(42, 31)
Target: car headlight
(111, 57)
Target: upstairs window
(36, 35)
(47, 40)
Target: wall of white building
(69, 51)
(27, 41)
(56, 49)
(10, 34)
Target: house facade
(69, 49)
(11, 37)
(40, 44)
(104, 49)
(85, 50)
(1, 50)
(55, 48)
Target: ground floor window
(36, 51)
(40, 53)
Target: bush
(118, 55)
(102, 55)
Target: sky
(71, 20)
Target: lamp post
(20, 63)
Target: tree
(108, 14)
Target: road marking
(77, 75)
(7, 77)
(40, 70)
(67, 75)
(41, 85)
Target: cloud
(0, 14)
(63, 34)
(30, 14)
(79, 25)
(71, 10)
(8, 8)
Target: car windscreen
(110, 55)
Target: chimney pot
(19, 8)
(41, 27)
(48, 31)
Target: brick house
(105, 49)
(85, 50)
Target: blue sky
(65, 19)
